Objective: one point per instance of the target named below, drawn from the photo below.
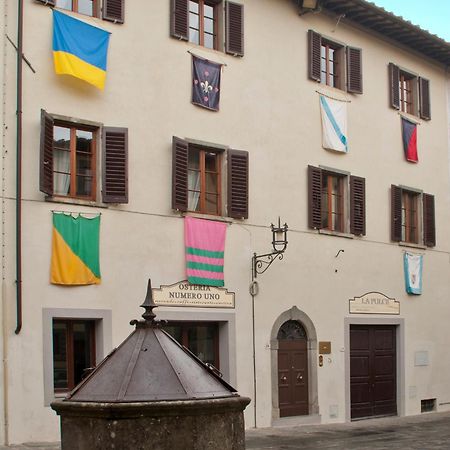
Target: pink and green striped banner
(205, 246)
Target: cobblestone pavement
(425, 432)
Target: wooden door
(293, 373)
(373, 371)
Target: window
(412, 216)
(334, 64)
(409, 93)
(201, 338)
(74, 161)
(329, 64)
(336, 201)
(112, 10)
(68, 160)
(203, 23)
(73, 351)
(209, 23)
(86, 7)
(333, 202)
(198, 178)
(204, 181)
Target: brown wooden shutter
(179, 19)
(114, 10)
(394, 80)
(115, 165)
(47, 2)
(180, 150)
(357, 206)
(424, 95)
(234, 20)
(429, 227)
(314, 48)
(354, 70)
(314, 197)
(396, 213)
(46, 154)
(238, 184)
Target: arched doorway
(294, 314)
(292, 369)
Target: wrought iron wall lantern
(260, 263)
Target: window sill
(208, 217)
(410, 244)
(411, 117)
(75, 201)
(336, 233)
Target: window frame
(185, 326)
(111, 171)
(347, 62)
(353, 202)
(332, 79)
(329, 210)
(234, 182)
(202, 151)
(201, 22)
(75, 7)
(70, 352)
(408, 92)
(74, 127)
(405, 219)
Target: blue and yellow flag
(79, 49)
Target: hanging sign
(185, 294)
(374, 303)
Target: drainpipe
(19, 168)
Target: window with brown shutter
(199, 22)
(409, 93)
(112, 10)
(412, 217)
(357, 206)
(197, 173)
(238, 184)
(424, 95)
(234, 40)
(68, 160)
(336, 202)
(115, 165)
(354, 70)
(333, 64)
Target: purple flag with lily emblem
(206, 83)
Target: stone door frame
(295, 314)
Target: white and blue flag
(413, 265)
(334, 124)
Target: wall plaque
(185, 294)
(374, 303)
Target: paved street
(424, 432)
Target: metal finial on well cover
(148, 305)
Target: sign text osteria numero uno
(185, 294)
(374, 303)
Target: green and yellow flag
(75, 254)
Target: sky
(431, 15)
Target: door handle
(299, 377)
(283, 378)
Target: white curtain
(193, 185)
(61, 181)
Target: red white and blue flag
(206, 83)
(409, 134)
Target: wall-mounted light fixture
(306, 6)
(260, 263)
